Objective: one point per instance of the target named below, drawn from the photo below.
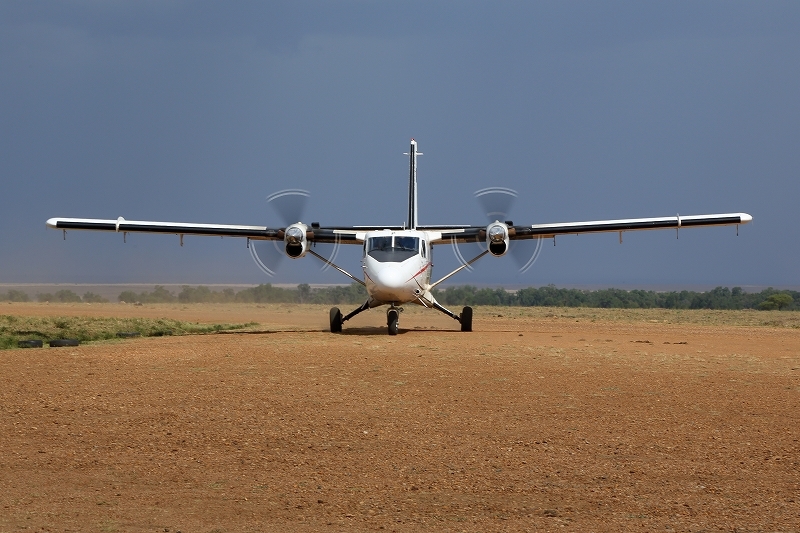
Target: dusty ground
(540, 420)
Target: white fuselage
(397, 265)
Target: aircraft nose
(392, 286)
(391, 279)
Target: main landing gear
(337, 319)
(466, 319)
(393, 317)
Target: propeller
(289, 205)
(525, 252)
(496, 204)
(267, 255)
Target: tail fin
(412, 185)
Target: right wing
(340, 235)
(121, 225)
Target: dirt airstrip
(540, 420)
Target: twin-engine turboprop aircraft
(397, 260)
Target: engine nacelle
(295, 240)
(497, 238)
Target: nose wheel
(392, 318)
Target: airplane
(397, 261)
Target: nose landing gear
(392, 317)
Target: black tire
(392, 318)
(57, 343)
(31, 343)
(336, 320)
(466, 319)
(128, 334)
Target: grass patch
(88, 329)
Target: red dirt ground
(554, 422)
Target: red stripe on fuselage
(420, 272)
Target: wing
(631, 224)
(356, 234)
(461, 234)
(341, 235)
(121, 225)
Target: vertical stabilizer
(412, 185)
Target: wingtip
(52, 223)
(745, 218)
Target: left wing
(631, 224)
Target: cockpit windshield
(392, 249)
(380, 243)
(409, 244)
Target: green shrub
(14, 295)
(92, 298)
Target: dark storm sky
(196, 111)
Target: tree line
(549, 296)
(265, 293)
(63, 296)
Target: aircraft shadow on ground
(367, 331)
(381, 331)
(364, 331)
